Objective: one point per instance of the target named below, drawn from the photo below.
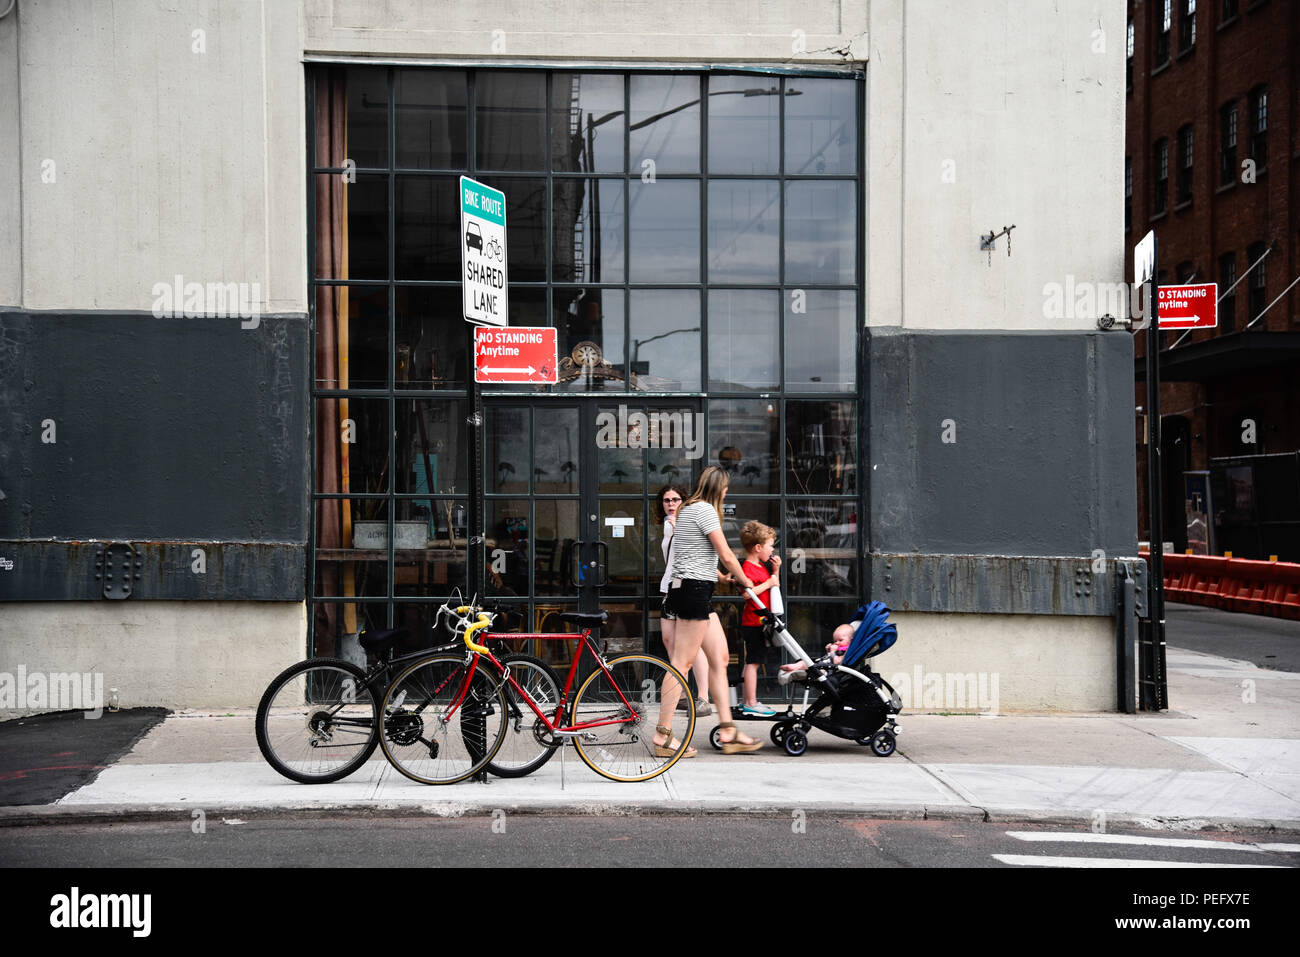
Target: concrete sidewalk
(1226, 755)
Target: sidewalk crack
(951, 786)
(1237, 771)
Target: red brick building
(1211, 165)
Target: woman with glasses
(670, 499)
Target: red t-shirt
(757, 574)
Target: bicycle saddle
(585, 620)
(379, 640)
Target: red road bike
(445, 717)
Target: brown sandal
(666, 750)
(733, 746)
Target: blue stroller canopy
(874, 635)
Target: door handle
(575, 569)
(602, 569)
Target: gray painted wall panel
(97, 571)
(1043, 459)
(165, 428)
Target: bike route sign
(483, 252)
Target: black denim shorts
(668, 612)
(691, 602)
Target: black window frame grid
(781, 393)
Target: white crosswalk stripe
(1131, 840)
(1031, 860)
(1090, 837)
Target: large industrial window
(692, 236)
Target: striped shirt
(693, 555)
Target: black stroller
(852, 701)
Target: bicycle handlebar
(484, 621)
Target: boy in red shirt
(758, 541)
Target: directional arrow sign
(1189, 307)
(483, 252)
(516, 354)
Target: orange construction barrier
(1234, 584)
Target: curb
(56, 815)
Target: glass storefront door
(571, 516)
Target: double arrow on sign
(494, 370)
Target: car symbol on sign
(473, 238)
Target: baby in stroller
(839, 645)
(851, 701)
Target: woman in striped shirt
(698, 544)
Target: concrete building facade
(223, 247)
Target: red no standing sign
(1189, 307)
(515, 354)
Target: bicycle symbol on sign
(494, 248)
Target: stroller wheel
(778, 732)
(883, 743)
(795, 742)
(715, 737)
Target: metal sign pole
(1155, 694)
(485, 289)
(475, 554)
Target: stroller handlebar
(783, 636)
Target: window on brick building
(1162, 176)
(1227, 143)
(1185, 156)
(1128, 52)
(1162, 35)
(1187, 26)
(1228, 302)
(1259, 126)
(1229, 10)
(1128, 193)
(1257, 282)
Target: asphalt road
(789, 840)
(1265, 642)
(45, 756)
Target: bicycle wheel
(528, 745)
(317, 721)
(624, 712)
(442, 722)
